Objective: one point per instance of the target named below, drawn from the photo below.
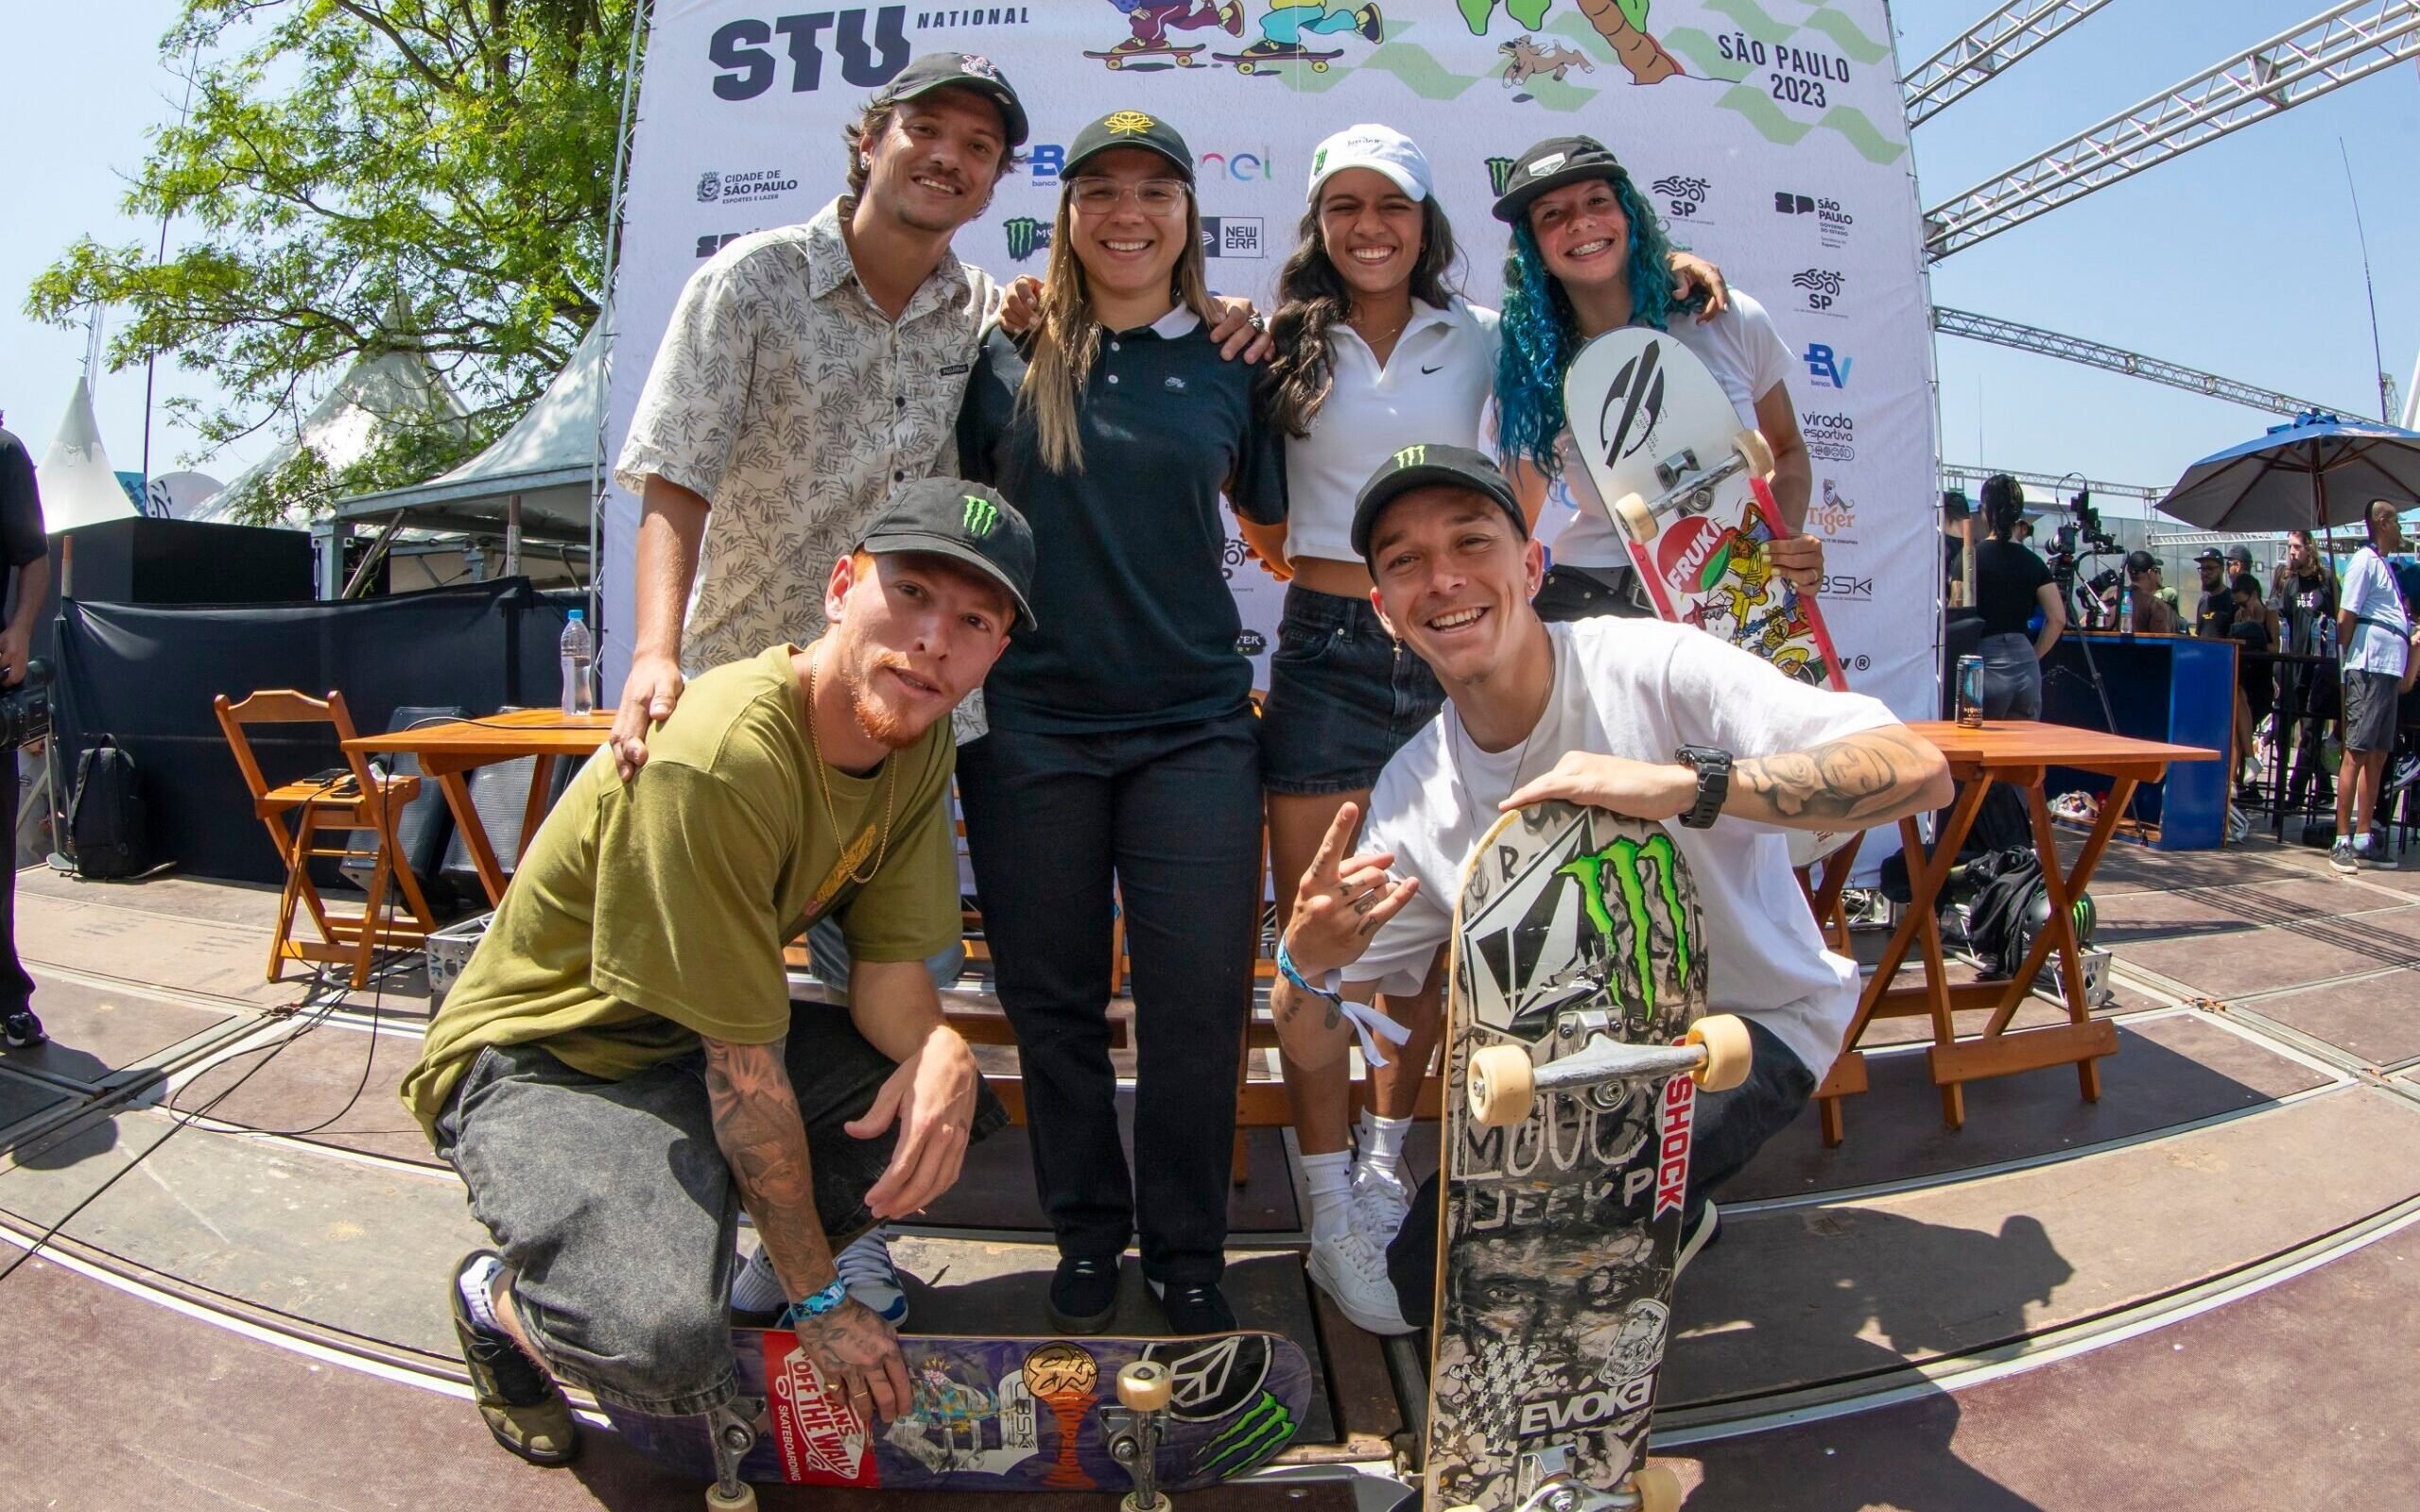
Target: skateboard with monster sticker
(1144, 1417)
(1577, 1037)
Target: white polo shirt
(1436, 387)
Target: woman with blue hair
(1589, 256)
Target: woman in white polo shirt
(1375, 352)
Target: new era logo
(982, 516)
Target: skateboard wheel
(1755, 451)
(1502, 1085)
(1729, 1053)
(1245, 68)
(745, 1501)
(1636, 520)
(1185, 60)
(1114, 63)
(1145, 1386)
(1658, 1488)
(1319, 67)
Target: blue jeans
(827, 951)
(1730, 1128)
(2012, 678)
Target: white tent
(344, 426)
(78, 485)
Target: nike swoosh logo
(1440, 367)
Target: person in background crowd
(2215, 609)
(26, 552)
(2012, 586)
(2302, 594)
(1122, 770)
(2153, 614)
(2248, 625)
(2375, 635)
(1589, 256)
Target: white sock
(1366, 1130)
(757, 1289)
(474, 1281)
(1331, 1183)
(1382, 1145)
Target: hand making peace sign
(1342, 900)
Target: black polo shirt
(1137, 626)
(21, 533)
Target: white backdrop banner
(1768, 133)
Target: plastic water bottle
(578, 652)
(2126, 609)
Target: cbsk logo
(982, 516)
(1826, 368)
(1672, 1148)
(742, 50)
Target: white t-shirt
(1435, 387)
(1748, 357)
(1640, 689)
(2370, 593)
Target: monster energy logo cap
(1423, 466)
(965, 522)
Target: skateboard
(1117, 57)
(1140, 1416)
(1578, 961)
(1689, 491)
(1252, 61)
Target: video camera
(2077, 539)
(25, 710)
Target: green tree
(367, 176)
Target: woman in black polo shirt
(1122, 746)
(2010, 584)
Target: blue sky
(2239, 258)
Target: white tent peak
(78, 486)
(344, 426)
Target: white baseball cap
(1380, 148)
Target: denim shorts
(1342, 696)
(612, 1202)
(1568, 594)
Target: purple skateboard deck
(1001, 1415)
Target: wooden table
(451, 750)
(2017, 751)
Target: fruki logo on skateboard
(1694, 552)
(821, 1439)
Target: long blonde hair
(1069, 338)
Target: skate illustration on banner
(1286, 27)
(1152, 19)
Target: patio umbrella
(2312, 473)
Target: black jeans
(1568, 594)
(16, 987)
(1171, 815)
(1730, 1128)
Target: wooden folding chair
(351, 801)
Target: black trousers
(1171, 815)
(16, 987)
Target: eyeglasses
(1153, 197)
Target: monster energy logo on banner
(1413, 456)
(1259, 1432)
(1026, 237)
(1499, 173)
(982, 517)
(1622, 857)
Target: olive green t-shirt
(647, 914)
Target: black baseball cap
(967, 70)
(2244, 583)
(1550, 164)
(964, 522)
(2139, 562)
(2241, 555)
(1128, 128)
(1418, 467)
(2209, 553)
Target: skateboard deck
(1252, 62)
(1001, 1415)
(1576, 935)
(1688, 489)
(1119, 57)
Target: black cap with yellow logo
(1128, 128)
(965, 522)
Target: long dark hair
(2003, 506)
(1312, 297)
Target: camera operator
(24, 550)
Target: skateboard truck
(732, 1428)
(1553, 1487)
(1688, 487)
(1135, 1427)
(1716, 1052)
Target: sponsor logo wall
(1780, 153)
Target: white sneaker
(1696, 1239)
(865, 1268)
(1353, 1271)
(1380, 1202)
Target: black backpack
(106, 835)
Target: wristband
(815, 1304)
(1286, 968)
(1368, 1024)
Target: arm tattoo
(1851, 778)
(760, 1133)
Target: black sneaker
(524, 1408)
(1083, 1294)
(1199, 1307)
(23, 1030)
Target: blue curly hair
(1540, 332)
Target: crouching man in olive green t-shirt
(620, 1069)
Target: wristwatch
(1713, 768)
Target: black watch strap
(1713, 768)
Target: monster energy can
(1970, 692)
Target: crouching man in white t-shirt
(1658, 721)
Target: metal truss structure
(2053, 492)
(2117, 359)
(1991, 45)
(2342, 43)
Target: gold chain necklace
(823, 783)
